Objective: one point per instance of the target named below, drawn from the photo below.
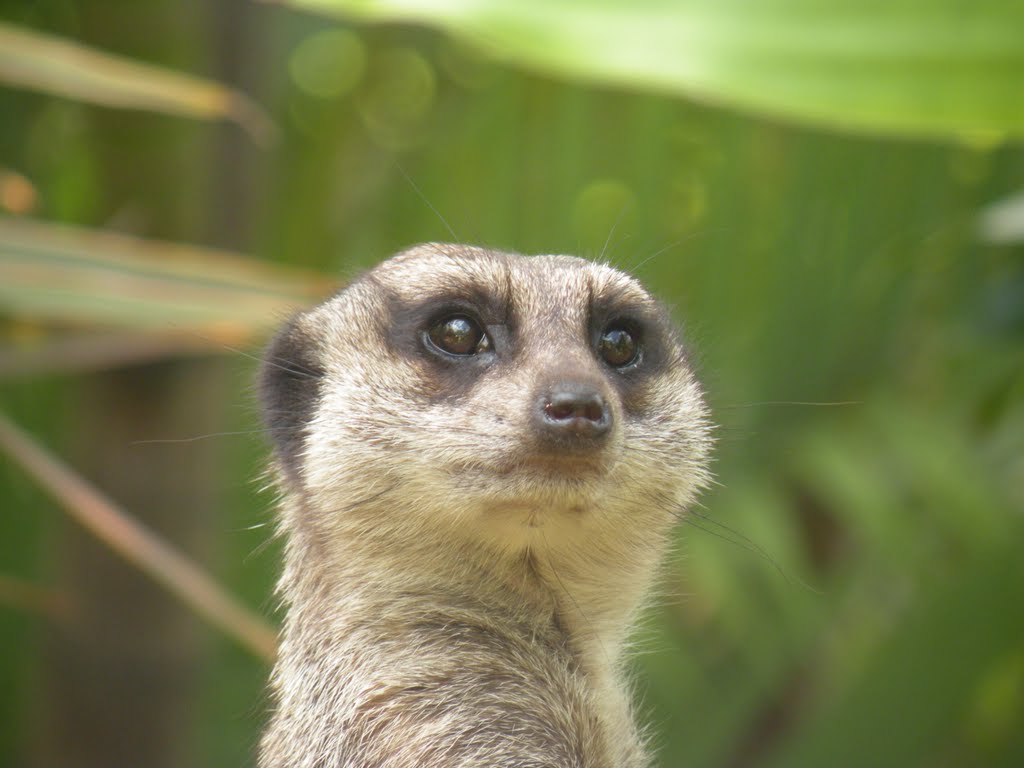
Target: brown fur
(458, 595)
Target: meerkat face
(485, 394)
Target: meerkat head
(502, 402)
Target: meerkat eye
(618, 346)
(458, 335)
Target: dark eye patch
(451, 337)
(406, 320)
(636, 339)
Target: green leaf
(99, 279)
(53, 65)
(939, 68)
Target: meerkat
(481, 456)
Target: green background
(851, 593)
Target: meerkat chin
(481, 457)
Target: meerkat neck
(589, 605)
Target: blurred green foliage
(852, 592)
(909, 67)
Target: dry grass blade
(93, 278)
(42, 62)
(90, 352)
(138, 545)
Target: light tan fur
(454, 599)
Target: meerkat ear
(290, 380)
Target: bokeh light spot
(397, 96)
(328, 64)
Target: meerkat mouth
(533, 488)
(544, 488)
(557, 470)
(560, 466)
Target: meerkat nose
(573, 411)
